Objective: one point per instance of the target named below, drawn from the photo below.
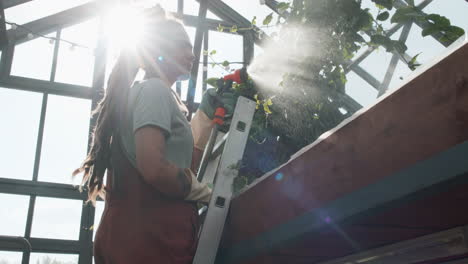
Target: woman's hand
(200, 192)
(212, 100)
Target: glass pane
(65, 138)
(14, 211)
(377, 63)
(36, 9)
(8, 257)
(400, 76)
(97, 216)
(229, 48)
(56, 218)
(76, 64)
(360, 90)
(191, 8)
(427, 47)
(21, 111)
(198, 88)
(48, 258)
(33, 59)
(209, 14)
(249, 9)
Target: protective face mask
(182, 77)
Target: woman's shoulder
(153, 82)
(151, 87)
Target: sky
(67, 119)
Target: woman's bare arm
(201, 130)
(155, 169)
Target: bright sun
(123, 27)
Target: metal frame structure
(55, 23)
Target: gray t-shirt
(152, 103)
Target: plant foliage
(311, 104)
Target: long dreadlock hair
(109, 110)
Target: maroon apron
(140, 225)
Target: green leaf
(381, 40)
(266, 108)
(399, 46)
(225, 63)
(412, 63)
(385, 3)
(414, 66)
(364, 20)
(213, 82)
(254, 21)
(430, 30)
(282, 6)
(380, 6)
(383, 16)
(380, 29)
(343, 77)
(405, 14)
(438, 21)
(346, 54)
(234, 29)
(457, 30)
(213, 52)
(413, 60)
(220, 28)
(358, 38)
(454, 32)
(268, 19)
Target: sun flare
(123, 27)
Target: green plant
(309, 102)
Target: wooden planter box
(393, 172)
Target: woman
(144, 140)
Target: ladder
(221, 169)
